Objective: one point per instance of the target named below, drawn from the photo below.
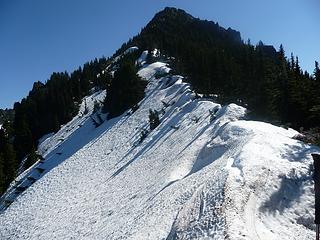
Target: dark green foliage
(44, 110)
(154, 120)
(311, 136)
(6, 115)
(216, 61)
(213, 59)
(104, 80)
(52, 104)
(96, 106)
(2, 176)
(159, 75)
(125, 91)
(143, 135)
(8, 163)
(317, 72)
(149, 58)
(32, 158)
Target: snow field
(193, 177)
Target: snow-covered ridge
(203, 173)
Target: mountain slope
(204, 173)
(216, 61)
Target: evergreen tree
(278, 90)
(2, 176)
(125, 91)
(154, 120)
(317, 72)
(47, 106)
(213, 60)
(8, 162)
(23, 140)
(32, 158)
(149, 58)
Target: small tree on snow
(143, 135)
(153, 119)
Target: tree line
(126, 88)
(55, 102)
(47, 106)
(216, 61)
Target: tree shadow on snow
(290, 191)
(165, 132)
(291, 186)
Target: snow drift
(204, 173)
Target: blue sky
(38, 37)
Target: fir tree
(2, 176)
(317, 72)
(154, 120)
(125, 91)
(32, 158)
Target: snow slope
(203, 173)
(55, 148)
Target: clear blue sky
(38, 37)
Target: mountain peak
(172, 14)
(172, 11)
(173, 22)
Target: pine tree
(10, 163)
(279, 89)
(297, 66)
(149, 58)
(317, 72)
(125, 91)
(23, 140)
(32, 158)
(2, 176)
(154, 120)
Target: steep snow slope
(203, 173)
(55, 148)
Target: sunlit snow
(204, 173)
